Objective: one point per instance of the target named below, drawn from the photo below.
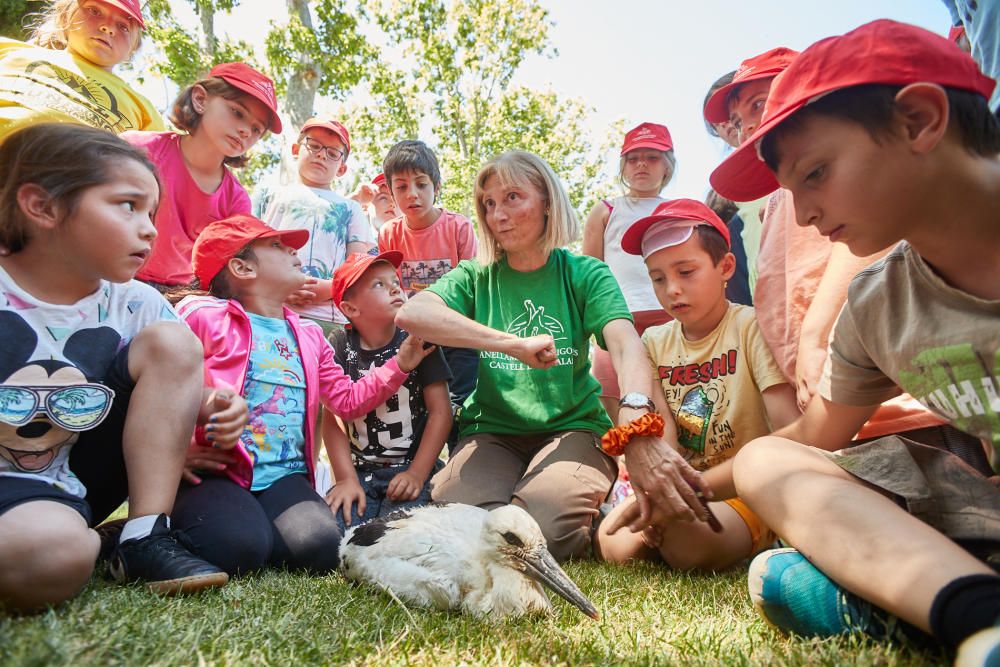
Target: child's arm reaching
(350, 400)
(408, 484)
(347, 489)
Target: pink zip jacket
(225, 333)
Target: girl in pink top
(252, 503)
(222, 117)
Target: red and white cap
(671, 223)
(379, 180)
(253, 83)
(130, 7)
(767, 65)
(647, 135)
(334, 126)
(881, 52)
(354, 267)
(221, 240)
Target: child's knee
(755, 465)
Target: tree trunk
(304, 79)
(206, 14)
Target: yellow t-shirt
(713, 386)
(39, 85)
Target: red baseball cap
(253, 83)
(764, 66)
(130, 7)
(354, 267)
(222, 239)
(671, 223)
(334, 126)
(881, 52)
(956, 32)
(379, 180)
(647, 135)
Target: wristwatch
(636, 401)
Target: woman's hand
(664, 486)
(200, 457)
(535, 351)
(344, 495)
(411, 352)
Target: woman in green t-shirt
(530, 432)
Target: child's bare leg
(854, 534)
(48, 555)
(695, 546)
(622, 546)
(165, 360)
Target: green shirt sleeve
(457, 288)
(598, 295)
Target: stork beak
(542, 567)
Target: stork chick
(490, 564)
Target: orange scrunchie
(613, 442)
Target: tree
(461, 57)
(13, 14)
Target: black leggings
(285, 525)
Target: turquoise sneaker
(980, 650)
(796, 598)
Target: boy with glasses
(337, 225)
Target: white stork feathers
(451, 556)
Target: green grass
(650, 616)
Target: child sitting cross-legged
(253, 504)
(383, 461)
(720, 383)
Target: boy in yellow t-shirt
(719, 382)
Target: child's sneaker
(980, 650)
(796, 598)
(163, 560)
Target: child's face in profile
(277, 265)
(102, 34)
(847, 186)
(322, 157)
(747, 107)
(110, 233)
(377, 295)
(688, 285)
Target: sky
(651, 60)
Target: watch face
(635, 400)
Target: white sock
(139, 527)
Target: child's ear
(923, 109)
(728, 265)
(36, 205)
(342, 169)
(241, 268)
(295, 149)
(199, 97)
(349, 309)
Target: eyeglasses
(77, 407)
(316, 148)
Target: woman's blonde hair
(50, 26)
(520, 169)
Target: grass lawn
(650, 616)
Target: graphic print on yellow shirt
(713, 386)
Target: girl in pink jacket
(253, 504)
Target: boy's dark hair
(873, 106)
(65, 160)
(411, 155)
(712, 242)
(184, 116)
(724, 208)
(723, 80)
(219, 287)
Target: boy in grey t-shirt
(884, 135)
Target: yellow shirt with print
(713, 386)
(39, 85)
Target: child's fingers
(626, 517)
(190, 477)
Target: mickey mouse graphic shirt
(53, 360)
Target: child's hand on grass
(412, 352)
(404, 486)
(224, 414)
(343, 496)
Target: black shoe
(163, 560)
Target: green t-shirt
(572, 297)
